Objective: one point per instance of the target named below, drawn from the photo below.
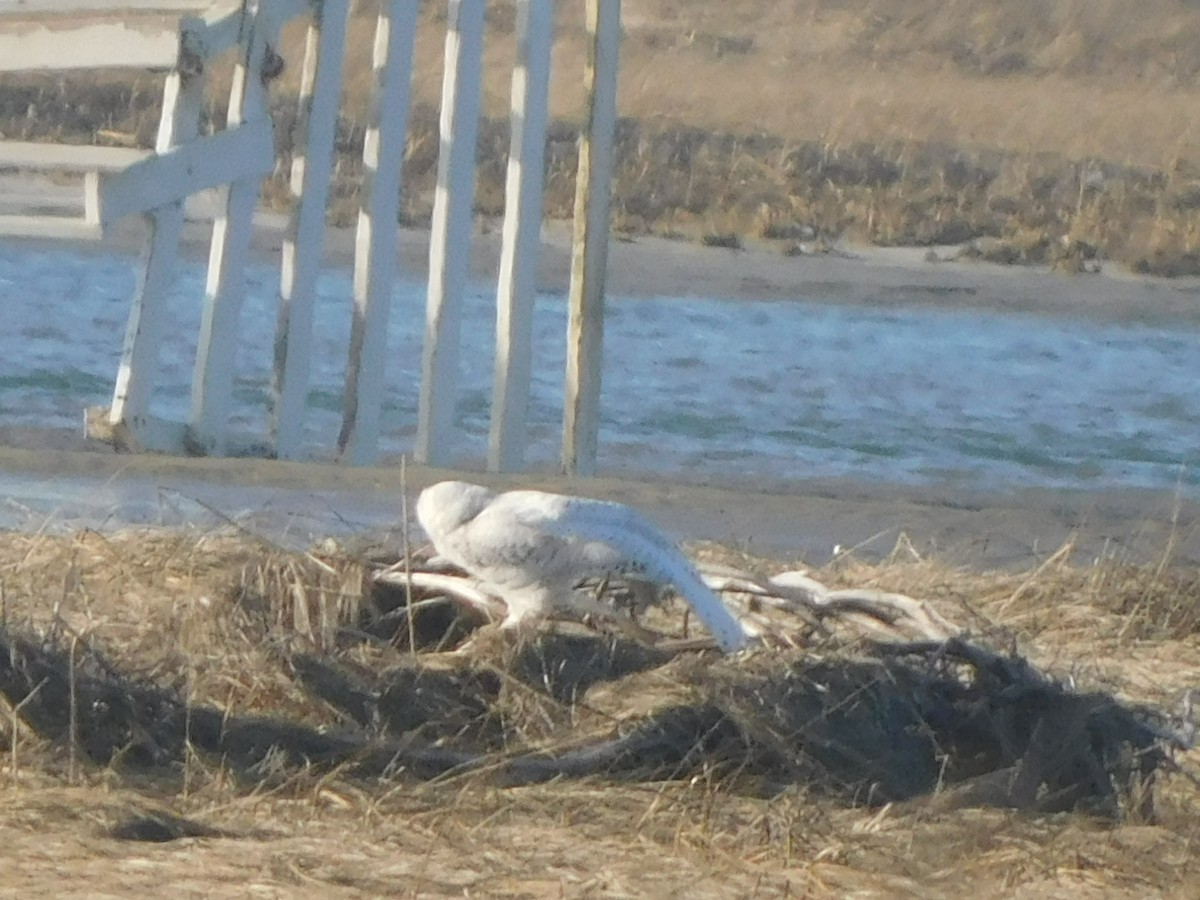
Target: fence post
(521, 237)
(183, 97)
(589, 253)
(312, 167)
(375, 244)
(449, 248)
(212, 381)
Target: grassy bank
(173, 643)
(1051, 135)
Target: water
(693, 388)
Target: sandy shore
(803, 519)
(76, 488)
(652, 266)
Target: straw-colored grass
(214, 617)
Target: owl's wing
(592, 530)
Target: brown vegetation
(258, 712)
(1046, 134)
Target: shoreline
(862, 276)
(72, 486)
(1003, 529)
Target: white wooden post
(212, 380)
(183, 96)
(589, 255)
(521, 237)
(312, 168)
(451, 232)
(378, 218)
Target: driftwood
(782, 609)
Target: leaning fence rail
(171, 36)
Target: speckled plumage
(532, 548)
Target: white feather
(534, 547)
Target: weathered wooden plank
(245, 151)
(64, 227)
(312, 168)
(521, 237)
(38, 156)
(183, 97)
(212, 379)
(451, 231)
(375, 246)
(589, 255)
(58, 44)
(54, 37)
(23, 8)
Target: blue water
(696, 388)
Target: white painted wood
(521, 237)
(589, 255)
(56, 227)
(375, 246)
(212, 380)
(183, 98)
(312, 168)
(66, 157)
(59, 7)
(91, 200)
(243, 152)
(449, 248)
(144, 42)
(51, 36)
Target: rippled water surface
(703, 388)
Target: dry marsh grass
(1034, 134)
(214, 619)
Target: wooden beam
(41, 157)
(303, 246)
(449, 248)
(158, 35)
(56, 227)
(60, 43)
(589, 254)
(212, 379)
(521, 237)
(378, 219)
(245, 151)
(183, 98)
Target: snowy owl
(533, 548)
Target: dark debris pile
(890, 723)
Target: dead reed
(206, 627)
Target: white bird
(533, 548)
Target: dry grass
(1051, 135)
(216, 618)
